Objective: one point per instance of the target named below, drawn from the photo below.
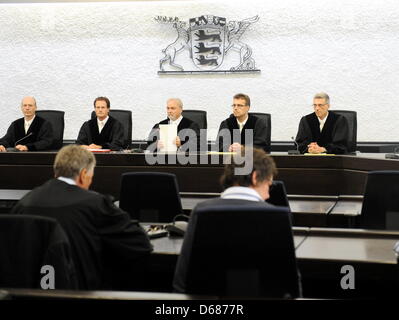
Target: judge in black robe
(38, 137)
(333, 137)
(100, 233)
(111, 136)
(188, 132)
(253, 123)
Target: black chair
(124, 117)
(27, 243)
(278, 194)
(198, 116)
(239, 252)
(351, 117)
(56, 118)
(266, 117)
(380, 208)
(150, 196)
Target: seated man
(96, 228)
(250, 189)
(103, 131)
(323, 131)
(186, 128)
(30, 133)
(232, 137)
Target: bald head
(28, 107)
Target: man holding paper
(175, 131)
(103, 131)
(30, 133)
(323, 131)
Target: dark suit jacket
(41, 138)
(111, 136)
(184, 124)
(179, 281)
(333, 137)
(253, 123)
(96, 228)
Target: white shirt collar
(67, 180)
(103, 121)
(242, 193)
(243, 123)
(177, 121)
(322, 122)
(28, 123)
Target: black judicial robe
(111, 136)
(184, 124)
(40, 131)
(333, 137)
(259, 133)
(96, 228)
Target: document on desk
(319, 154)
(168, 134)
(222, 153)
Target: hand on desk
(235, 147)
(315, 148)
(21, 147)
(2, 148)
(92, 146)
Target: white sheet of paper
(168, 134)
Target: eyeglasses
(318, 105)
(238, 105)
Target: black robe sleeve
(223, 139)
(84, 136)
(8, 140)
(340, 134)
(260, 132)
(304, 136)
(44, 140)
(116, 141)
(185, 137)
(120, 235)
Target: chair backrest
(266, 117)
(278, 194)
(380, 208)
(198, 116)
(56, 119)
(124, 117)
(27, 243)
(241, 252)
(150, 196)
(351, 117)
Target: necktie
(241, 126)
(26, 127)
(101, 126)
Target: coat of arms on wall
(210, 42)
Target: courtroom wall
(66, 54)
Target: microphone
(22, 139)
(297, 148)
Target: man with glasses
(241, 128)
(323, 131)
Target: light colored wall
(66, 54)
